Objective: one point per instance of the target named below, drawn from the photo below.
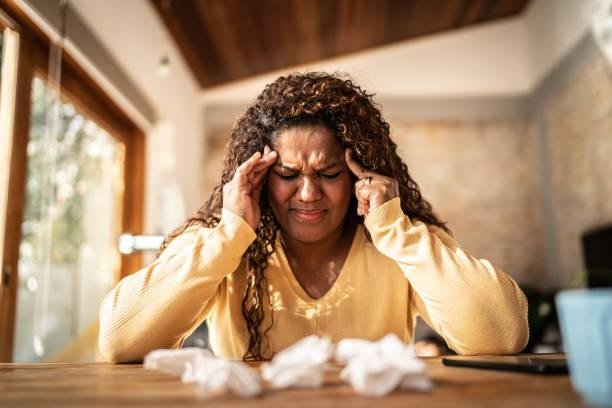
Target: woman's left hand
(371, 189)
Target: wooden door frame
(89, 98)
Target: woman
(315, 228)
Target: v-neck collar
(342, 276)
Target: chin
(309, 233)
(307, 236)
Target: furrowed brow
(287, 167)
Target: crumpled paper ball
(212, 375)
(300, 365)
(173, 361)
(218, 376)
(377, 368)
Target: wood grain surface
(224, 41)
(113, 385)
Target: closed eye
(295, 175)
(331, 176)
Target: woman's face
(309, 187)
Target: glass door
(68, 257)
(72, 177)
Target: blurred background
(114, 115)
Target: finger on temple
(260, 170)
(266, 161)
(267, 150)
(353, 165)
(270, 156)
(248, 165)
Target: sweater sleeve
(475, 307)
(161, 304)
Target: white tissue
(219, 376)
(372, 368)
(349, 348)
(377, 368)
(173, 361)
(299, 365)
(212, 375)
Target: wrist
(230, 216)
(385, 213)
(243, 214)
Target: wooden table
(112, 385)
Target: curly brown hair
(297, 100)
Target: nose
(309, 190)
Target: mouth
(310, 216)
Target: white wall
(133, 33)
(553, 27)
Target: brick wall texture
(481, 177)
(578, 122)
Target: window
(71, 181)
(68, 254)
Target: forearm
(475, 307)
(159, 305)
(485, 313)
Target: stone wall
(481, 177)
(578, 130)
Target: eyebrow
(327, 167)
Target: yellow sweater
(408, 269)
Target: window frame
(78, 88)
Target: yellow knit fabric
(408, 269)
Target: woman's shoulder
(187, 237)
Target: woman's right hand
(241, 194)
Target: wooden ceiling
(227, 40)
